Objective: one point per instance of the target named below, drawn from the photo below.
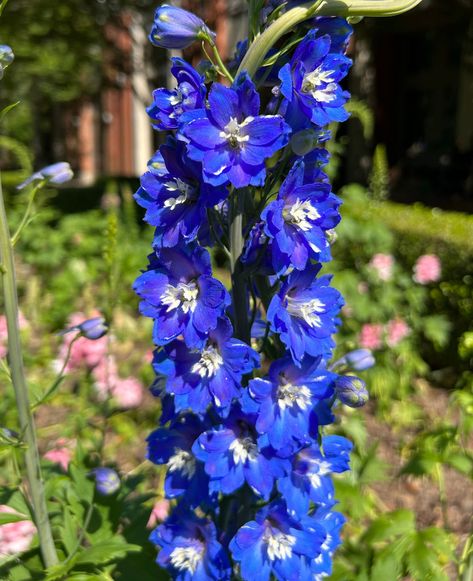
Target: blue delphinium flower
(310, 83)
(309, 477)
(169, 105)
(172, 446)
(107, 481)
(284, 402)
(179, 293)
(209, 375)
(351, 391)
(174, 27)
(190, 549)
(230, 138)
(321, 566)
(304, 313)
(234, 454)
(174, 196)
(276, 543)
(57, 173)
(297, 220)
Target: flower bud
(351, 391)
(107, 481)
(360, 359)
(57, 173)
(6, 58)
(177, 28)
(93, 328)
(304, 141)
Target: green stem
(285, 23)
(239, 287)
(221, 64)
(27, 213)
(465, 569)
(442, 494)
(33, 468)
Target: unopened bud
(107, 481)
(351, 391)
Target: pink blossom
(128, 392)
(22, 323)
(383, 265)
(61, 453)
(371, 336)
(85, 353)
(159, 513)
(397, 329)
(427, 269)
(15, 537)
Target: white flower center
(290, 395)
(186, 558)
(209, 362)
(279, 545)
(183, 462)
(232, 132)
(183, 296)
(177, 185)
(244, 449)
(320, 84)
(176, 97)
(300, 213)
(306, 310)
(326, 544)
(322, 468)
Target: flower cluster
(244, 443)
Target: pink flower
(22, 323)
(159, 513)
(427, 269)
(15, 537)
(61, 453)
(397, 329)
(371, 336)
(128, 392)
(85, 353)
(383, 265)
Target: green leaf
(437, 329)
(391, 524)
(105, 551)
(8, 108)
(6, 517)
(68, 532)
(461, 462)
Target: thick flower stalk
(245, 377)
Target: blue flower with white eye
(337, 28)
(172, 446)
(179, 293)
(310, 83)
(174, 27)
(304, 313)
(174, 197)
(210, 375)
(321, 566)
(169, 105)
(233, 454)
(230, 138)
(284, 403)
(190, 550)
(296, 222)
(277, 544)
(309, 477)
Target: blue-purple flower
(57, 173)
(310, 83)
(304, 313)
(179, 293)
(107, 481)
(351, 391)
(297, 221)
(321, 566)
(190, 550)
(309, 477)
(174, 197)
(169, 105)
(233, 454)
(174, 27)
(230, 138)
(207, 376)
(284, 403)
(6, 58)
(278, 544)
(172, 446)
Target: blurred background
(83, 74)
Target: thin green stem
(465, 569)
(27, 213)
(442, 494)
(221, 64)
(285, 23)
(33, 468)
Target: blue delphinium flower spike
(230, 138)
(175, 27)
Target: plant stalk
(15, 356)
(285, 23)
